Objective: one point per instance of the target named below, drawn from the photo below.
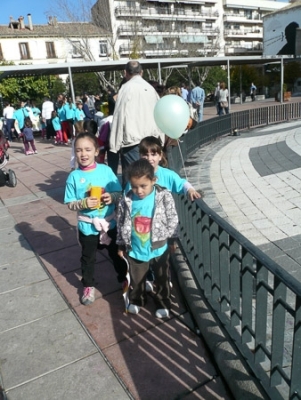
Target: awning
(153, 39)
(193, 39)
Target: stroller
(7, 176)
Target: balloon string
(182, 158)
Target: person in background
(47, 108)
(147, 222)
(253, 89)
(57, 128)
(36, 113)
(90, 103)
(69, 114)
(216, 97)
(28, 138)
(19, 116)
(223, 99)
(8, 114)
(86, 110)
(184, 92)
(79, 114)
(112, 97)
(197, 99)
(97, 102)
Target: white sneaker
(88, 296)
(133, 309)
(162, 313)
(149, 286)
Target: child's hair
(153, 145)
(78, 126)
(53, 114)
(90, 126)
(28, 122)
(173, 90)
(87, 135)
(140, 168)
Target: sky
(37, 9)
(17, 8)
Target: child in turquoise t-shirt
(96, 217)
(146, 221)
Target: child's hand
(193, 194)
(106, 198)
(92, 202)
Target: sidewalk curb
(230, 363)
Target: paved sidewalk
(52, 347)
(254, 182)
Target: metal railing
(256, 300)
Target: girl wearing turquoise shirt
(96, 216)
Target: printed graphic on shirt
(142, 227)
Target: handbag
(224, 104)
(193, 117)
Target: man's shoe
(88, 296)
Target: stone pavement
(51, 346)
(254, 182)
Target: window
(76, 49)
(1, 54)
(50, 50)
(24, 51)
(103, 48)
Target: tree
(242, 76)
(84, 83)
(31, 87)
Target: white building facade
(165, 28)
(54, 42)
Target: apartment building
(141, 28)
(166, 28)
(55, 42)
(243, 25)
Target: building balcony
(124, 30)
(166, 14)
(243, 33)
(242, 19)
(149, 52)
(244, 50)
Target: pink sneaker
(88, 296)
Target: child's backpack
(104, 134)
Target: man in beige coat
(133, 117)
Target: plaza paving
(52, 347)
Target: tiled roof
(60, 29)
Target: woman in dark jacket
(86, 110)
